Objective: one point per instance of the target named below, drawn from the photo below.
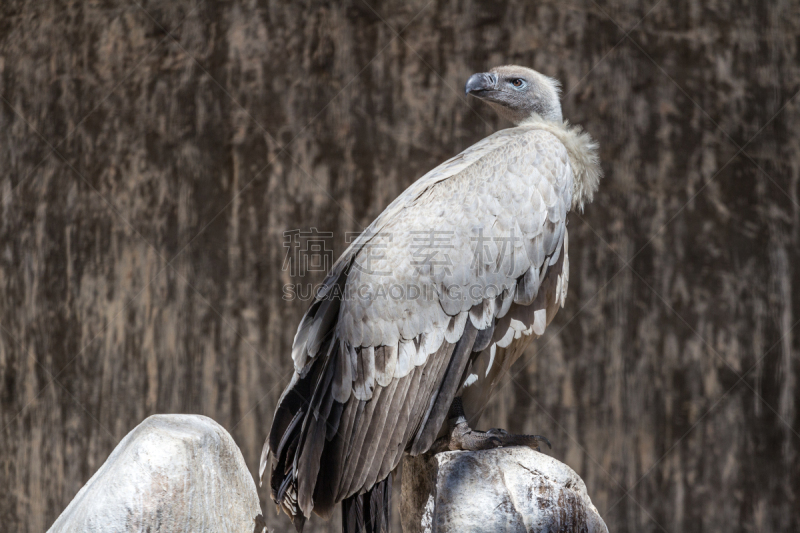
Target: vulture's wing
(383, 350)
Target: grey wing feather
(483, 338)
(444, 397)
(527, 286)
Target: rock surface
(171, 473)
(502, 490)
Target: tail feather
(369, 512)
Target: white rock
(502, 490)
(171, 473)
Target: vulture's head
(517, 93)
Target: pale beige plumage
(386, 364)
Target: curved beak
(481, 84)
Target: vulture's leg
(462, 437)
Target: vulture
(429, 307)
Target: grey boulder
(512, 489)
(171, 473)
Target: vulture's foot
(462, 437)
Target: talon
(533, 441)
(463, 437)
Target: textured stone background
(153, 154)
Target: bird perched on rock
(424, 313)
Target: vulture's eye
(518, 83)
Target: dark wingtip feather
(369, 512)
(299, 521)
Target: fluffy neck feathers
(583, 157)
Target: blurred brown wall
(151, 157)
